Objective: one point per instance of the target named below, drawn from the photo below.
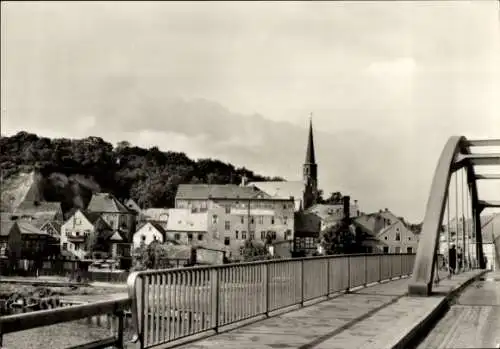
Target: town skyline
(383, 109)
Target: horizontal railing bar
(484, 143)
(27, 321)
(269, 261)
(488, 176)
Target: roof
(5, 227)
(38, 206)
(283, 190)
(328, 212)
(218, 191)
(91, 216)
(155, 214)
(181, 219)
(389, 227)
(105, 202)
(310, 155)
(29, 229)
(56, 225)
(157, 226)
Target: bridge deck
(474, 321)
(380, 316)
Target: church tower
(310, 172)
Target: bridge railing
(175, 304)
(110, 311)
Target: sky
(387, 82)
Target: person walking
(452, 258)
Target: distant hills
(70, 170)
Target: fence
(170, 305)
(108, 313)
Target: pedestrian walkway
(473, 321)
(379, 316)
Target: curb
(419, 332)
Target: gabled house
(236, 213)
(22, 240)
(147, 233)
(114, 213)
(184, 227)
(385, 232)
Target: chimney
(244, 181)
(347, 213)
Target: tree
(254, 251)
(339, 239)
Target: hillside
(70, 170)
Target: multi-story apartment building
(237, 213)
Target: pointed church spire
(310, 156)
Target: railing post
(267, 287)
(366, 271)
(119, 339)
(302, 282)
(379, 268)
(401, 260)
(214, 290)
(348, 274)
(327, 277)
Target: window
(284, 206)
(77, 233)
(242, 219)
(398, 250)
(409, 238)
(252, 235)
(386, 249)
(244, 235)
(177, 236)
(261, 220)
(227, 225)
(228, 209)
(214, 219)
(285, 219)
(385, 237)
(236, 235)
(65, 246)
(409, 250)
(227, 241)
(398, 236)
(252, 221)
(272, 220)
(143, 237)
(200, 237)
(190, 236)
(263, 235)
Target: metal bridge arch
(455, 156)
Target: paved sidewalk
(474, 321)
(378, 316)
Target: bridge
(340, 301)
